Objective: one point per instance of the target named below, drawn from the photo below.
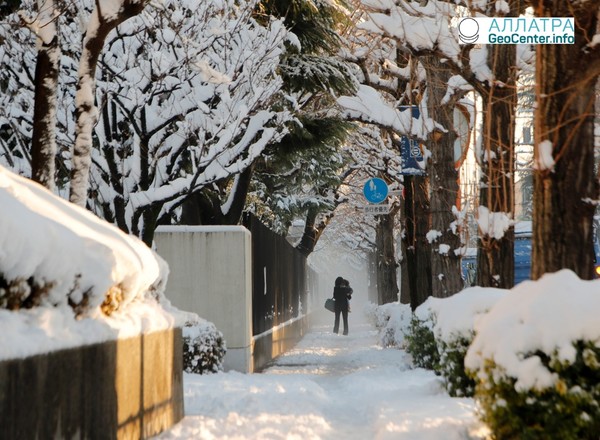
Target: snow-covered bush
(203, 347)
(536, 359)
(69, 279)
(421, 343)
(392, 320)
(443, 331)
(452, 366)
(53, 253)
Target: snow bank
(392, 320)
(67, 271)
(548, 315)
(458, 314)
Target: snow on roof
(69, 260)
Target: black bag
(330, 304)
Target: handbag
(330, 304)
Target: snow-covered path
(328, 387)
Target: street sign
(376, 209)
(375, 190)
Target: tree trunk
(404, 278)
(372, 268)
(43, 142)
(495, 257)
(114, 212)
(312, 231)
(418, 249)
(86, 113)
(204, 207)
(445, 263)
(387, 282)
(238, 196)
(564, 122)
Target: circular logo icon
(468, 30)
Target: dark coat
(342, 294)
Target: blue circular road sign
(375, 190)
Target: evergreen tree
(300, 175)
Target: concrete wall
(211, 275)
(124, 389)
(267, 346)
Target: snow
(419, 27)
(369, 106)
(443, 249)
(456, 315)
(456, 83)
(433, 235)
(543, 158)
(209, 74)
(502, 6)
(328, 387)
(547, 315)
(78, 258)
(479, 66)
(493, 224)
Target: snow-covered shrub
(421, 343)
(203, 347)
(452, 366)
(54, 254)
(392, 320)
(536, 360)
(69, 279)
(446, 325)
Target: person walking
(342, 292)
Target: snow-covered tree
(104, 18)
(300, 176)
(29, 121)
(43, 145)
(389, 81)
(190, 110)
(426, 30)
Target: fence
(279, 278)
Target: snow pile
(392, 320)
(547, 315)
(70, 278)
(458, 314)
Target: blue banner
(410, 150)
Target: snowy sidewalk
(328, 387)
